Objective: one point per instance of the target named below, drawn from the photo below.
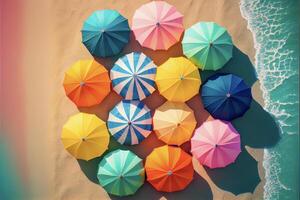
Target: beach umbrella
(157, 25)
(208, 45)
(121, 173)
(178, 79)
(86, 83)
(105, 33)
(169, 169)
(133, 76)
(85, 136)
(130, 122)
(216, 144)
(226, 96)
(174, 123)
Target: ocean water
(274, 24)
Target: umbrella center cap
(102, 30)
(157, 24)
(210, 44)
(169, 173)
(83, 139)
(181, 77)
(82, 83)
(216, 145)
(228, 95)
(129, 123)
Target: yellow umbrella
(174, 123)
(85, 136)
(178, 79)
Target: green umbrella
(121, 173)
(208, 45)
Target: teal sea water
(274, 24)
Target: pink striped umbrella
(216, 144)
(157, 25)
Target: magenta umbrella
(216, 144)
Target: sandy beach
(52, 42)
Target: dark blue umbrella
(226, 96)
(105, 33)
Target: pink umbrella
(216, 144)
(157, 25)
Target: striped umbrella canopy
(105, 33)
(157, 25)
(216, 144)
(208, 45)
(121, 173)
(133, 76)
(130, 122)
(226, 96)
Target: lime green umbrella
(207, 45)
(121, 173)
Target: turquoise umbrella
(105, 33)
(121, 173)
(208, 45)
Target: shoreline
(280, 182)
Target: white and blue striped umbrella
(133, 76)
(130, 122)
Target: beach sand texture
(52, 42)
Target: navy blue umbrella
(226, 96)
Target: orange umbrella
(174, 123)
(86, 83)
(169, 169)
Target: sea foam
(275, 30)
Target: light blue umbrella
(105, 33)
(130, 122)
(133, 76)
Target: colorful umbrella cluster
(134, 76)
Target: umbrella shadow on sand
(239, 65)
(257, 128)
(198, 189)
